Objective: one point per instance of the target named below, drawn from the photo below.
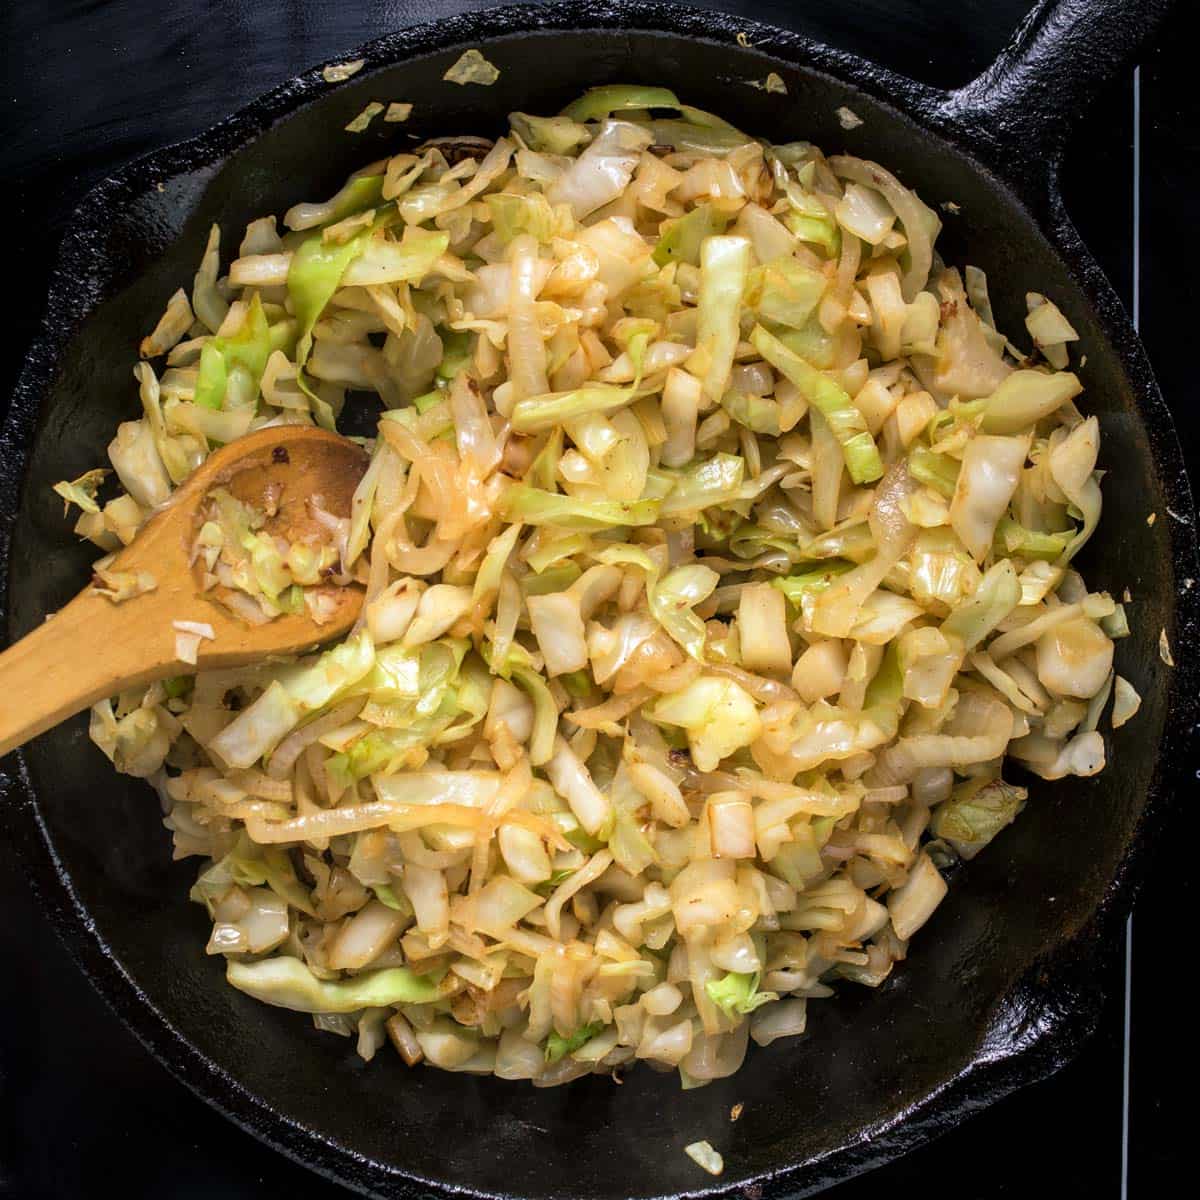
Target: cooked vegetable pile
(717, 551)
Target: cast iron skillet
(998, 991)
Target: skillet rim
(1060, 1026)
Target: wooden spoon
(95, 648)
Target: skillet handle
(1022, 107)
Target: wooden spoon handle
(88, 650)
(94, 648)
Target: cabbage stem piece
(844, 420)
(599, 102)
(724, 269)
(288, 983)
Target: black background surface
(88, 84)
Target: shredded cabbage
(823, 393)
(362, 122)
(738, 994)
(717, 555)
(339, 72)
(705, 1157)
(288, 983)
(472, 67)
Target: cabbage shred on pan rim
(717, 551)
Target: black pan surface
(1001, 988)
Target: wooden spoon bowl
(93, 647)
